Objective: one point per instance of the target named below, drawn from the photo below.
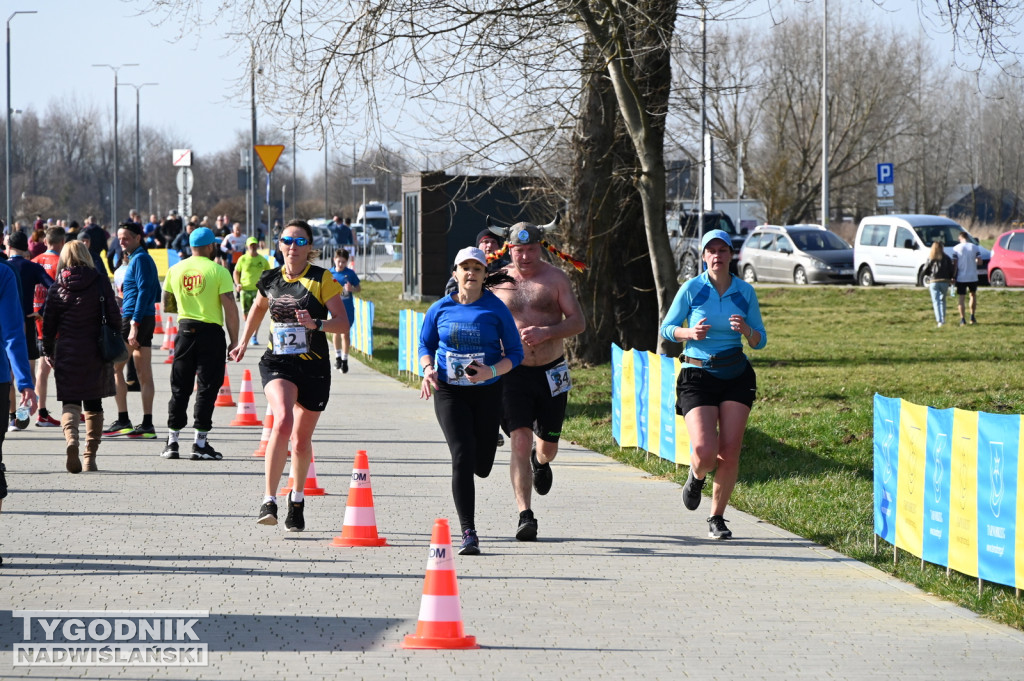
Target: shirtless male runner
(536, 391)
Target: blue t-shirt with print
(347, 275)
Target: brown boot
(69, 417)
(93, 435)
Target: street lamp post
(114, 198)
(138, 154)
(7, 156)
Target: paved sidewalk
(621, 584)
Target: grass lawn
(807, 457)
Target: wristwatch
(319, 325)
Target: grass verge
(807, 457)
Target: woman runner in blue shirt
(475, 341)
(715, 393)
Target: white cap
(470, 253)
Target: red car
(1006, 268)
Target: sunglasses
(296, 240)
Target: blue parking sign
(884, 173)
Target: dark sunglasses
(297, 240)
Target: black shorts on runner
(696, 387)
(528, 402)
(962, 289)
(311, 377)
(147, 325)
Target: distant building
(980, 204)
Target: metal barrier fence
(381, 261)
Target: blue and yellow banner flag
(410, 323)
(362, 327)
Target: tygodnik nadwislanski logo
(130, 638)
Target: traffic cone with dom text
(440, 621)
(360, 528)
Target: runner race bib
(558, 379)
(457, 366)
(289, 339)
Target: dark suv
(686, 241)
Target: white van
(376, 217)
(893, 249)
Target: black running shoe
(527, 526)
(295, 521)
(337, 363)
(117, 428)
(344, 366)
(717, 528)
(470, 544)
(542, 477)
(170, 451)
(692, 490)
(205, 453)
(268, 514)
(142, 433)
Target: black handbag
(112, 346)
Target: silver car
(799, 254)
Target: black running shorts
(696, 387)
(311, 376)
(147, 325)
(528, 402)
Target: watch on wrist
(319, 325)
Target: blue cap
(715, 234)
(201, 237)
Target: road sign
(363, 180)
(269, 153)
(885, 203)
(885, 173)
(184, 180)
(885, 191)
(181, 158)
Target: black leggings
(469, 418)
(87, 405)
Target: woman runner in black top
(296, 368)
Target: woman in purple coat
(71, 332)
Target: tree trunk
(616, 291)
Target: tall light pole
(824, 119)
(7, 156)
(113, 201)
(138, 153)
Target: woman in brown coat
(71, 332)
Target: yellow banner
(963, 494)
(654, 404)
(627, 426)
(911, 477)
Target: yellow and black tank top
(309, 291)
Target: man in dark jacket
(30, 275)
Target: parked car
(684, 236)
(893, 249)
(801, 254)
(1006, 268)
(323, 240)
(377, 216)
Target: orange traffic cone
(170, 333)
(268, 426)
(158, 322)
(224, 398)
(170, 355)
(310, 488)
(360, 528)
(440, 622)
(246, 414)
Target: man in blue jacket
(141, 291)
(29, 275)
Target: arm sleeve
(677, 314)
(754, 320)
(430, 338)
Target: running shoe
(205, 453)
(501, 439)
(692, 490)
(142, 433)
(470, 544)
(118, 428)
(717, 528)
(254, 341)
(295, 521)
(268, 514)
(337, 363)
(170, 451)
(344, 366)
(973, 320)
(46, 421)
(12, 426)
(527, 526)
(542, 477)
(963, 322)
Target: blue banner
(935, 548)
(998, 443)
(886, 462)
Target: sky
(52, 53)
